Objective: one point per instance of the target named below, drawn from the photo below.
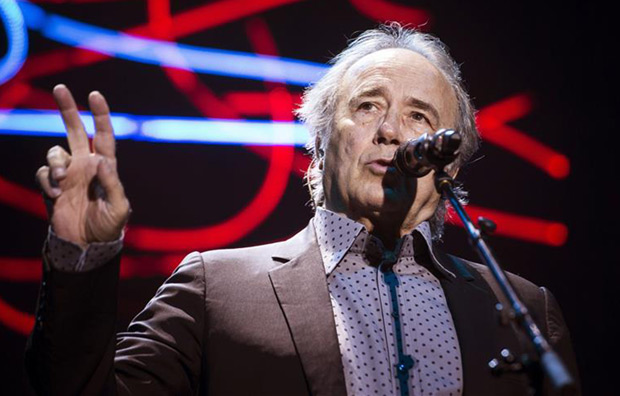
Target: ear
(317, 145)
(454, 172)
(320, 153)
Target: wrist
(68, 236)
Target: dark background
(558, 53)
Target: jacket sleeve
(557, 334)
(73, 349)
(548, 316)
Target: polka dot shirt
(392, 320)
(69, 257)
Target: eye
(366, 106)
(417, 116)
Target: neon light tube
(161, 129)
(17, 40)
(170, 54)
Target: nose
(389, 130)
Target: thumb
(108, 177)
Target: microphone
(417, 157)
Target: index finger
(104, 142)
(76, 135)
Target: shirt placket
(400, 362)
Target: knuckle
(42, 178)
(57, 152)
(126, 208)
(42, 171)
(53, 151)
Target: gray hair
(319, 101)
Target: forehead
(404, 72)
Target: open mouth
(381, 166)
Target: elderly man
(360, 302)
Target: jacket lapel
(481, 336)
(301, 288)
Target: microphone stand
(547, 359)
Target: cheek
(366, 119)
(426, 189)
(346, 143)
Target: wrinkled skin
(386, 98)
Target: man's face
(385, 99)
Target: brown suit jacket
(248, 321)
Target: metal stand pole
(550, 363)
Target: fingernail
(56, 192)
(59, 172)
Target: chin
(385, 201)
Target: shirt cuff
(67, 256)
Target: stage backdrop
(212, 157)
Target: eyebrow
(367, 92)
(415, 102)
(424, 106)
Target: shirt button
(406, 363)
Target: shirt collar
(337, 235)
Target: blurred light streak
(183, 23)
(218, 13)
(49, 123)
(553, 163)
(159, 19)
(255, 103)
(382, 11)
(13, 93)
(508, 224)
(13, 269)
(511, 225)
(17, 40)
(164, 53)
(280, 161)
(505, 110)
(492, 121)
(301, 160)
(230, 230)
(269, 149)
(160, 24)
(161, 129)
(74, 1)
(29, 270)
(226, 132)
(22, 198)
(15, 319)
(209, 104)
(32, 97)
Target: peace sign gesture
(88, 202)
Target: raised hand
(88, 202)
